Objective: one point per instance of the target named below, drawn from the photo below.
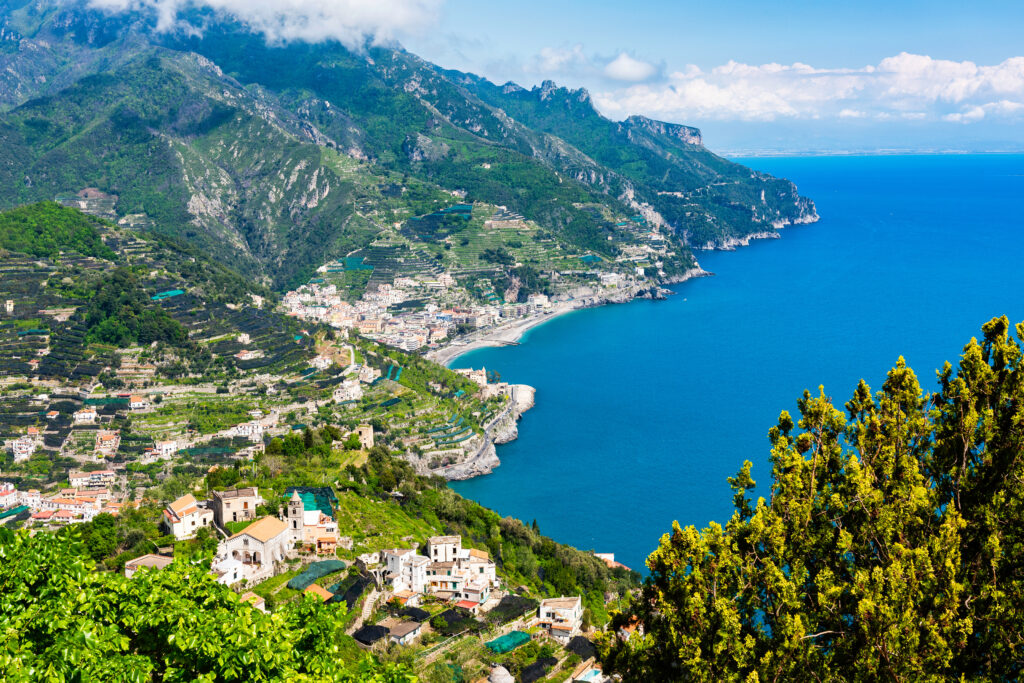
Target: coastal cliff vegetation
(888, 547)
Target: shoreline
(511, 333)
(486, 459)
(508, 334)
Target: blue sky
(825, 33)
(871, 75)
(755, 76)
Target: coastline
(485, 460)
(511, 333)
(508, 334)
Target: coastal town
(410, 302)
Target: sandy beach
(503, 335)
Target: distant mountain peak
(549, 89)
(687, 134)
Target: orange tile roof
(319, 591)
(249, 596)
(264, 529)
(183, 506)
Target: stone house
(235, 505)
(444, 548)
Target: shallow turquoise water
(644, 409)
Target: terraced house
(184, 517)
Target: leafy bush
(61, 617)
(120, 313)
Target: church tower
(295, 515)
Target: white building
(405, 632)
(23, 447)
(444, 577)
(252, 430)
(166, 449)
(406, 570)
(444, 548)
(138, 403)
(97, 478)
(86, 415)
(349, 390)
(229, 571)
(9, 496)
(562, 617)
(258, 545)
(184, 517)
(539, 300)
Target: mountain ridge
(357, 122)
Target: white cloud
(905, 86)
(557, 60)
(349, 21)
(626, 68)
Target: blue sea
(643, 409)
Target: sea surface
(643, 409)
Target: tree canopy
(121, 313)
(47, 228)
(889, 547)
(61, 620)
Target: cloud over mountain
(626, 68)
(905, 86)
(348, 21)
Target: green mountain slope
(280, 157)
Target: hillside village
(406, 598)
(162, 437)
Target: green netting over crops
(106, 401)
(507, 642)
(315, 498)
(13, 511)
(314, 572)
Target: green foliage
(121, 314)
(499, 256)
(60, 616)
(889, 548)
(47, 228)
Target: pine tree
(891, 545)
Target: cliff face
(686, 134)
